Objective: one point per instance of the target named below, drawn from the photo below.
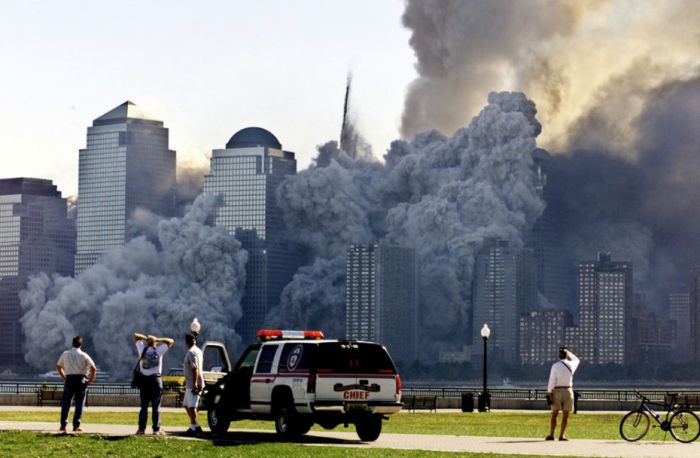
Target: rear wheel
(369, 427)
(634, 426)
(685, 426)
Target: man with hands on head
(151, 350)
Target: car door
(264, 378)
(216, 362)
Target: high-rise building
(246, 175)
(505, 282)
(679, 313)
(541, 335)
(126, 165)
(694, 293)
(35, 236)
(381, 298)
(605, 297)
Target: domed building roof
(253, 136)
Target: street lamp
(484, 398)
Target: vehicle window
(248, 359)
(353, 357)
(213, 359)
(295, 357)
(267, 355)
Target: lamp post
(484, 399)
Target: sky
(206, 71)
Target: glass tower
(246, 175)
(126, 165)
(35, 236)
(381, 298)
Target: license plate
(357, 406)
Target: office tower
(504, 287)
(126, 165)
(650, 337)
(694, 293)
(605, 297)
(35, 236)
(381, 298)
(679, 313)
(246, 175)
(541, 335)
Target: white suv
(298, 378)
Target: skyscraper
(679, 313)
(605, 297)
(381, 298)
(35, 236)
(505, 286)
(694, 286)
(125, 165)
(246, 175)
(541, 335)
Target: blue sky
(206, 69)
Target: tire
(287, 422)
(369, 428)
(218, 420)
(634, 425)
(685, 426)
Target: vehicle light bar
(273, 334)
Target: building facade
(505, 286)
(381, 298)
(541, 335)
(679, 313)
(126, 165)
(35, 236)
(246, 175)
(605, 297)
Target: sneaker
(549, 438)
(140, 432)
(563, 438)
(159, 432)
(78, 429)
(198, 430)
(62, 429)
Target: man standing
(73, 367)
(560, 391)
(151, 350)
(194, 382)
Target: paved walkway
(505, 445)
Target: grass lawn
(30, 444)
(505, 424)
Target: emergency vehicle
(298, 378)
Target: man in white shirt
(194, 382)
(151, 350)
(560, 391)
(73, 367)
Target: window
(267, 356)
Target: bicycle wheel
(685, 426)
(634, 425)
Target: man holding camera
(560, 391)
(194, 382)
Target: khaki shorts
(563, 399)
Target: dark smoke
(444, 197)
(180, 269)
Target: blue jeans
(74, 386)
(151, 392)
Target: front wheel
(369, 428)
(685, 426)
(634, 425)
(218, 420)
(287, 423)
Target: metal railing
(96, 388)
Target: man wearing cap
(151, 350)
(194, 382)
(560, 391)
(73, 367)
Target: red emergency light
(273, 334)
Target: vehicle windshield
(353, 357)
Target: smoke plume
(156, 283)
(442, 196)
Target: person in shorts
(560, 391)
(194, 382)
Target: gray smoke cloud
(156, 283)
(617, 92)
(443, 196)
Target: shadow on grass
(246, 438)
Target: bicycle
(683, 424)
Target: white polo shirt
(562, 373)
(75, 362)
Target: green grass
(505, 424)
(30, 444)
